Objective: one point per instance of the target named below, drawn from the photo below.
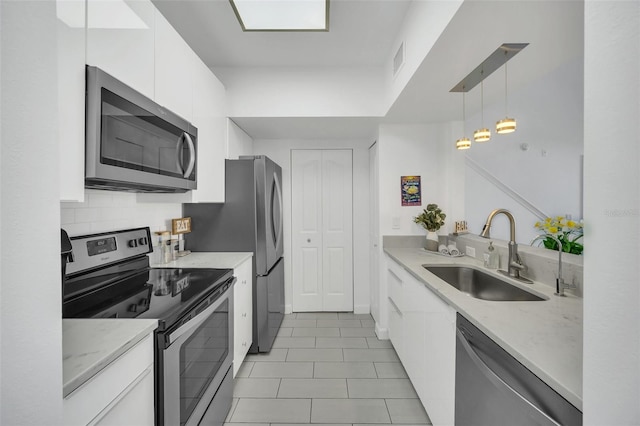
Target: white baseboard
(288, 309)
(382, 333)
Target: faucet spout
(561, 285)
(515, 264)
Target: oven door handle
(198, 319)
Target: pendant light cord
(506, 105)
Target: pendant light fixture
(506, 125)
(483, 134)
(463, 142)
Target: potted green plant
(432, 219)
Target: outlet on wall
(470, 251)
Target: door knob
(308, 240)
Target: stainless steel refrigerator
(249, 220)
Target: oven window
(136, 139)
(201, 357)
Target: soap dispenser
(491, 257)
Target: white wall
(549, 112)
(30, 308)
(409, 150)
(611, 385)
(304, 92)
(424, 22)
(104, 211)
(238, 141)
(426, 151)
(280, 152)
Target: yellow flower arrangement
(566, 230)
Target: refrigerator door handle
(276, 211)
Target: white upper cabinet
(209, 116)
(174, 69)
(71, 84)
(120, 41)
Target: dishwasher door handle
(497, 380)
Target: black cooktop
(165, 294)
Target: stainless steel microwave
(134, 144)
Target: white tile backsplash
(104, 211)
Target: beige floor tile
(316, 332)
(275, 354)
(313, 388)
(294, 342)
(380, 388)
(374, 355)
(250, 410)
(314, 354)
(407, 411)
(339, 370)
(282, 370)
(255, 388)
(390, 370)
(357, 332)
(341, 342)
(350, 411)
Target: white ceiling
(361, 34)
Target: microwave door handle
(179, 153)
(192, 155)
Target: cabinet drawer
(83, 404)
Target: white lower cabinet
(243, 313)
(422, 328)
(120, 394)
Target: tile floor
(325, 368)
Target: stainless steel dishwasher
(493, 388)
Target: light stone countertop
(89, 345)
(545, 336)
(208, 260)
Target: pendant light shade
(463, 142)
(506, 125)
(483, 134)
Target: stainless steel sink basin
(481, 285)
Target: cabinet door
(209, 116)
(243, 313)
(108, 388)
(134, 407)
(414, 322)
(174, 65)
(396, 327)
(438, 383)
(71, 27)
(120, 40)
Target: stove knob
(132, 243)
(143, 241)
(133, 308)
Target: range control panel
(96, 250)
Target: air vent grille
(398, 59)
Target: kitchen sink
(481, 285)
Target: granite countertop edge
(546, 337)
(208, 260)
(90, 345)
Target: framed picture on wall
(410, 191)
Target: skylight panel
(282, 15)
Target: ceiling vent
(398, 59)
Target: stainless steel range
(108, 276)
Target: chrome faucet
(515, 265)
(561, 285)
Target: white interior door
(322, 230)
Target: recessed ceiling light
(282, 15)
